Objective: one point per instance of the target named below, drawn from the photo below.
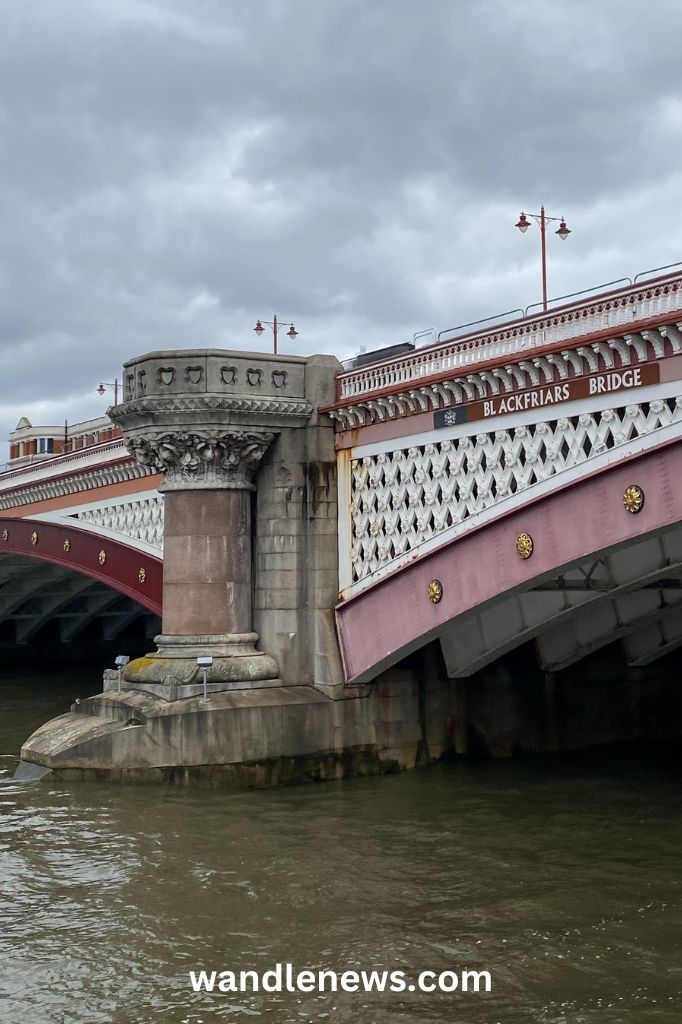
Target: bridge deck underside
(633, 595)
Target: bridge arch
(494, 600)
(43, 605)
(126, 570)
(59, 585)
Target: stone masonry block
(283, 579)
(278, 506)
(326, 578)
(326, 525)
(275, 598)
(325, 598)
(397, 709)
(325, 558)
(275, 561)
(391, 734)
(396, 682)
(284, 621)
(281, 527)
(291, 544)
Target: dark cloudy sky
(172, 169)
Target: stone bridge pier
(250, 577)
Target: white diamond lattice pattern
(401, 499)
(138, 520)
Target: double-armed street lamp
(291, 333)
(543, 220)
(105, 387)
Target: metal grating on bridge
(403, 498)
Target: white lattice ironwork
(401, 499)
(138, 520)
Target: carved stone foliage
(202, 459)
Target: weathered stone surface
(256, 737)
(171, 672)
(207, 562)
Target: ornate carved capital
(202, 459)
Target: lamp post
(204, 664)
(543, 220)
(103, 387)
(291, 333)
(121, 662)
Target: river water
(561, 878)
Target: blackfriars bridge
(387, 563)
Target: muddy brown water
(560, 877)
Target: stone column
(207, 586)
(207, 561)
(204, 418)
(207, 527)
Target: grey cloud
(171, 170)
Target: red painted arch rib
(567, 526)
(131, 572)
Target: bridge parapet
(100, 488)
(620, 311)
(23, 483)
